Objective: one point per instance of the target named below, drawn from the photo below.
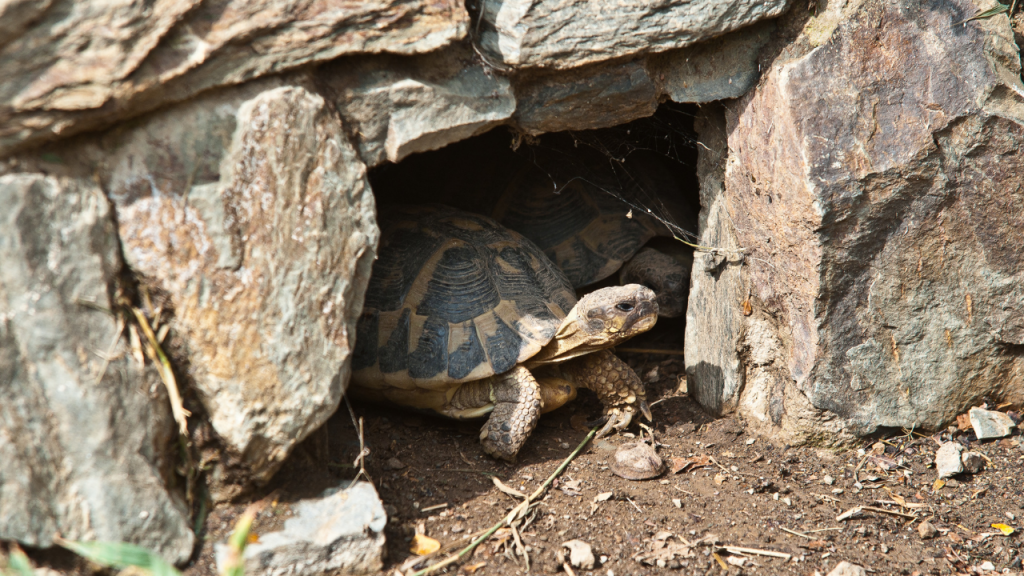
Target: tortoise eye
(625, 306)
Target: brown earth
(432, 472)
(737, 490)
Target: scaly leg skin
(618, 388)
(517, 406)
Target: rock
(926, 530)
(393, 464)
(990, 423)
(341, 531)
(973, 462)
(86, 435)
(255, 218)
(637, 461)
(596, 96)
(70, 65)
(580, 554)
(844, 568)
(947, 460)
(395, 106)
(719, 69)
(557, 34)
(854, 223)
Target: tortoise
(588, 229)
(464, 317)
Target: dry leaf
(683, 464)
(603, 496)
(1006, 530)
(423, 545)
(963, 422)
(474, 567)
(747, 309)
(938, 485)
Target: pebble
(990, 423)
(580, 554)
(947, 460)
(637, 461)
(926, 530)
(828, 480)
(393, 464)
(973, 462)
(788, 501)
(846, 569)
(678, 503)
(987, 566)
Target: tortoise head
(602, 319)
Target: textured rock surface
(990, 423)
(570, 33)
(871, 180)
(86, 436)
(718, 69)
(973, 462)
(69, 65)
(394, 106)
(342, 530)
(948, 461)
(595, 96)
(258, 223)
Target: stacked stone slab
(226, 174)
(873, 181)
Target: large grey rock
(395, 106)
(596, 96)
(718, 69)
(990, 423)
(251, 211)
(86, 435)
(69, 65)
(877, 208)
(564, 34)
(342, 531)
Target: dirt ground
(431, 473)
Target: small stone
(393, 464)
(987, 566)
(973, 462)
(926, 530)
(846, 569)
(679, 503)
(637, 461)
(339, 531)
(458, 527)
(787, 501)
(990, 423)
(828, 480)
(952, 483)
(884, 549)
(580, 554)
(947, 460)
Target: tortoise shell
(588, 227)
(454, 297)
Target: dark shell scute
(466, 357)
(430, 357)
(399, 262)
(367, 331)
(460, 289)
(503, 347)
(394, 355)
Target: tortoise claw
(646, 410)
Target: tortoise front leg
(618, 388)
(516, 400)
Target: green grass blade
(18, 564)
(121, 555)
(235, 564)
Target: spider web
(664, 144)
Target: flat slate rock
(342, 531)
(990, 423)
